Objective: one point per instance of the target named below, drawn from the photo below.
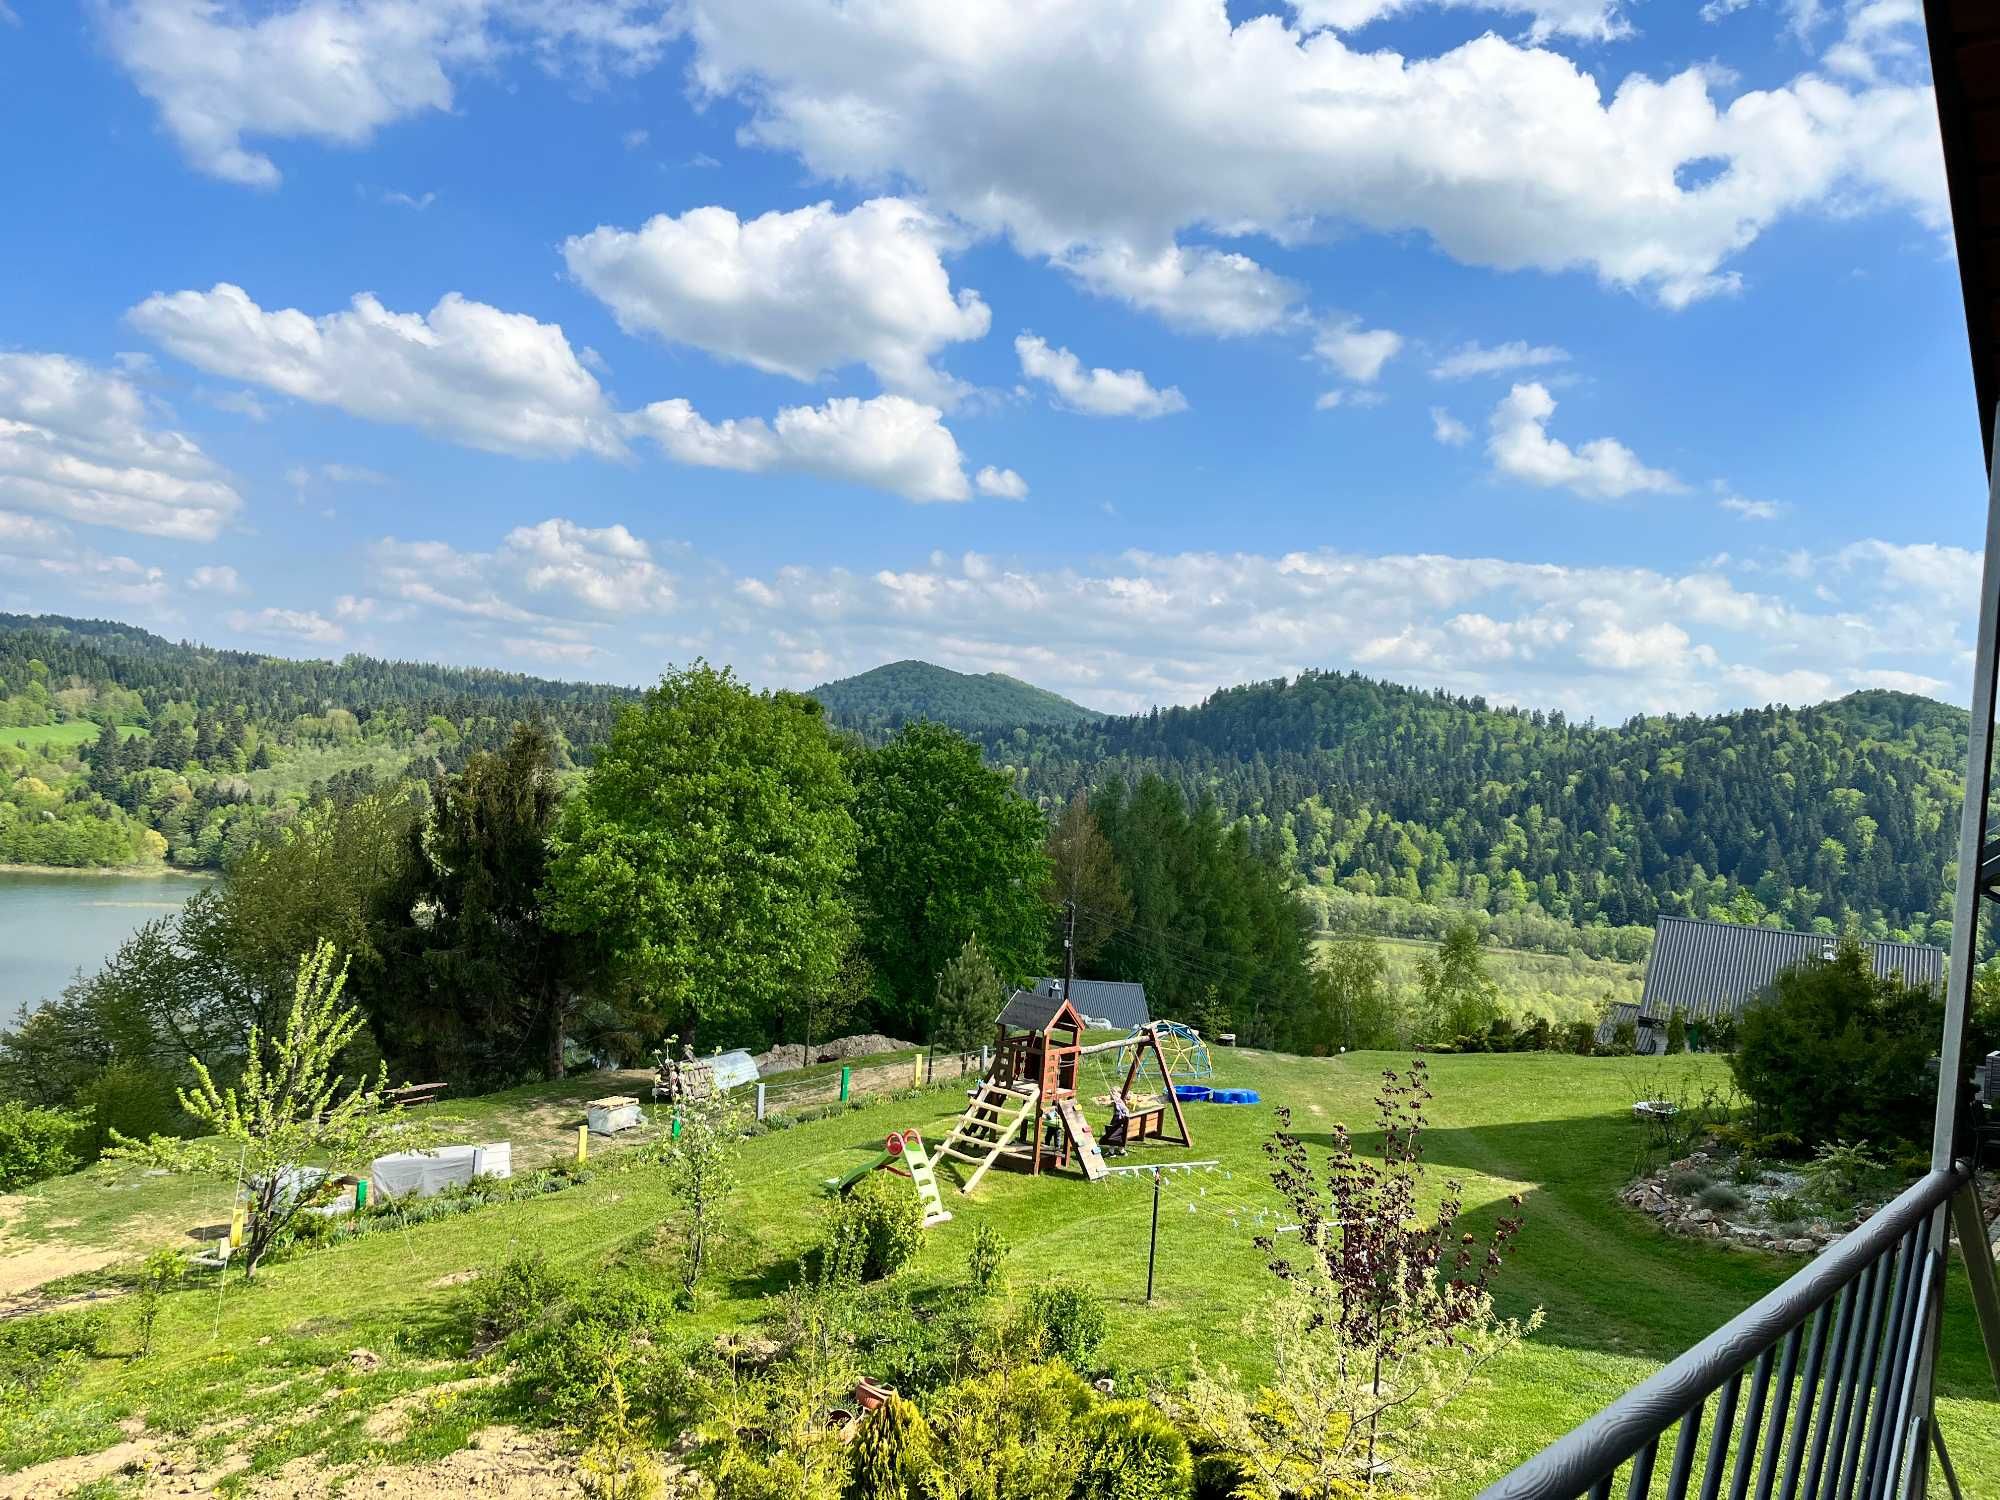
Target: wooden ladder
(1088, 1156)
(989, 1125)
(918, 1163)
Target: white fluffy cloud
(81, 442)
(557, 578)
(1001, 484)
(337, 71)
(1147, 628)
(1505, 155)
(1476, 359)
(1094, 392)
(1448, 430)
(1357, 353)
(1751, 510)
(1587, 20)
(471, 372)
(1198, 289)
(214, 578)
(1142, 628)
(304, 625)
(800, 293)
(888, 442)
(1601, 469)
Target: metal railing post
(1971, 835)
(1978, 1255)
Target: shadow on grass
(1608, 1277)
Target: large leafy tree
(709, 853)
(486, 988)
(948, 850)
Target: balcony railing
(1816, 1391)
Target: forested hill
(118, 745)
(248, 685)
(903, 692)
(1846, 808)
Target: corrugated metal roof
(1118, 1001)
(1617, 1014)
(1029, 1010)
(1709, 969)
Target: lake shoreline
(121, 872)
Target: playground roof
(1121, 1003)
(1031, 1010)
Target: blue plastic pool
(1192, 1093)
(1232, 1096)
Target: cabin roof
(1118, 1001)
(1708, 969)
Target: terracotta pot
(871, 1395)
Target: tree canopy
(709, 853)
(948, 850)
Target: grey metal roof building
(1617, 1014)
(1710, 969)
(1115, 1001)
(1032, 1010)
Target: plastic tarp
(732, 1068)
(427, 1173)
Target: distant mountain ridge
(1812, 817)
(901, 692)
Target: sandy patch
(59, 1476)
(390, 1422)
(502, 1462)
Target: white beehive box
(610, 1115)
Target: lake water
(52, 925)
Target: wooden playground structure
(1038, 1058)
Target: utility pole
(1153, 1242)
(1069, 945)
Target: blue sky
(1583, 353)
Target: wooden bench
(1145, 1121)
(413, 1094)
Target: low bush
(36, 1144)
(158, 1273)
(1836, 1052)
(1842, 1176)
(983, 1258)
(33, 1351)
(876, 1228)
(1721, 1197)
(1689, 1182)
(520, 1292)
(1135, 1454)
(1783, 1208)
(892, 1454)
(1063, 1320)
(562, 1360)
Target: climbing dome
(1186, 1053)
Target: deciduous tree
(948, 849)
(709, 852)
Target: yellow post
(917, 1077)
(582, 1144)
(236, 1226)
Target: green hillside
(265, 1375)
(1817, 816)
(902, 692)
(1402, 800)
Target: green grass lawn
(1619, 1297)
(71, 736)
